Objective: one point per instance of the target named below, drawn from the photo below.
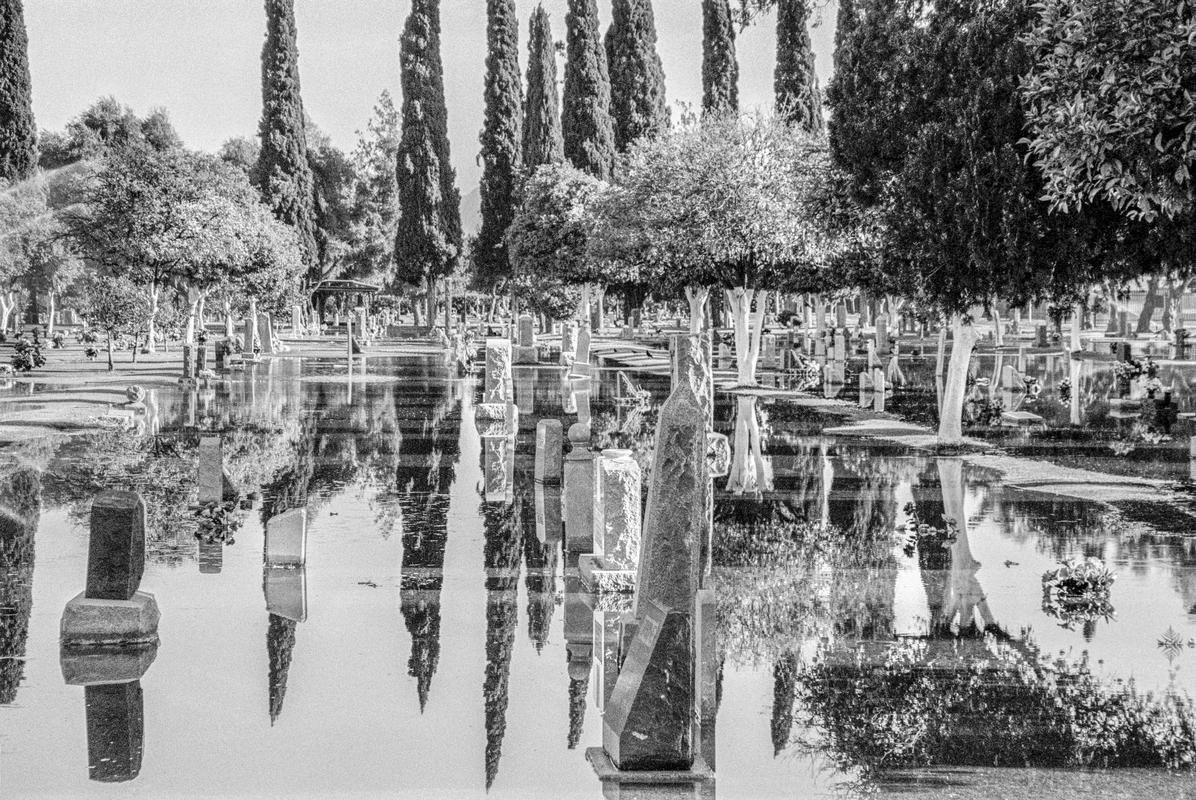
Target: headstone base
(598, 578)
(607, 772)
(1021, 419)
(525, 355)
(98, 666)
(90, 622)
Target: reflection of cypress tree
(423, 478)
(503, 551)
(280, 641)
(20, 496)
(784, 692)
(578, 687)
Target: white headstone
(286, 539)
(211, 470)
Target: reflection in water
(503, 553)
(751, 472)
(115, 730)
(20, 510)
(784, 692)
(280, 643)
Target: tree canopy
(637, 91)
(18, 132)
(586, 111)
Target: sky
(200, 59)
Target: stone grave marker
(550, 450)
(211, 470)
(188, 362)
(648, 724)
(499, 387)
(617, 525)
(266, 331)
(286, 539)
(579, 491)
(568, 343)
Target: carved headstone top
(670, 553)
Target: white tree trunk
(938, 363)
(950, 415)
(251, 328)
(151, 330)
(750, 471)
(998, 328)
(747, 326)
(229, 330)
(696, 295)
(50, 319)
(192, 315)
(7, 303)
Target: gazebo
(358, 293)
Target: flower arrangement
(218, 522)
(1078, 591)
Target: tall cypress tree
(501, 141)
(720, 70)
(18, 133)
(637, 96)
(542, 142)
(428, 239)
(286, 179)
(795, 81)
(586, 121)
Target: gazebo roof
(346, 287)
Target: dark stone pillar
(114, 731)
(116, 551)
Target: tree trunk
(50, 319)
(749, 473)
(748, 325)
(229, 330)
(950, 415)
(111, 366)
(251, 328)
(7, 304)
(696, 295)
(998, 328)
(151, 331)
(1149, 304)
(942, 349)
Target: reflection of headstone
(525, 391)
(211, 470)
(579, 491)
(498, 371)
(670, 552)
(286, 592)
(495, 419)
(549, 520)
(549, 451)
(211, 557)
(499, 469)
(648, 724)
(115, 731)
(612, 565)
(110, 611)
(286, 539)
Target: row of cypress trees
(614, 93)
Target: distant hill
(471, 212)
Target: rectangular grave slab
(550, 451)
(286, 539)
(115, 731)
(116, 550)
(649, 719)
(286, 592)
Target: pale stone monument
(286, 539)
(211, 470)
(266, 331)
(579, 491)
(286, 592)
(499, 388)
(525, 347)
(616, 547)
(568, 343)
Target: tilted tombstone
(649, 719)
(286, 539)
(116, 550)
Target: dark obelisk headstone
(115, 731)
(671, 548)
(116, 551)
(649, 719)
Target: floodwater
(423, 651)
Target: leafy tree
(333, 180)
(549, 238)
(720, 70)
(963, 223)
(158, 131)
(114, 304)
(637, 91)
(586, 111)
(285, 173)
(18, 132)
(798, 97)
(1111, 104)
(428, 242)
(501, 142)
(542, 140)
(734, 203)
(51, 265)
(243, 153)
(375, 205)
